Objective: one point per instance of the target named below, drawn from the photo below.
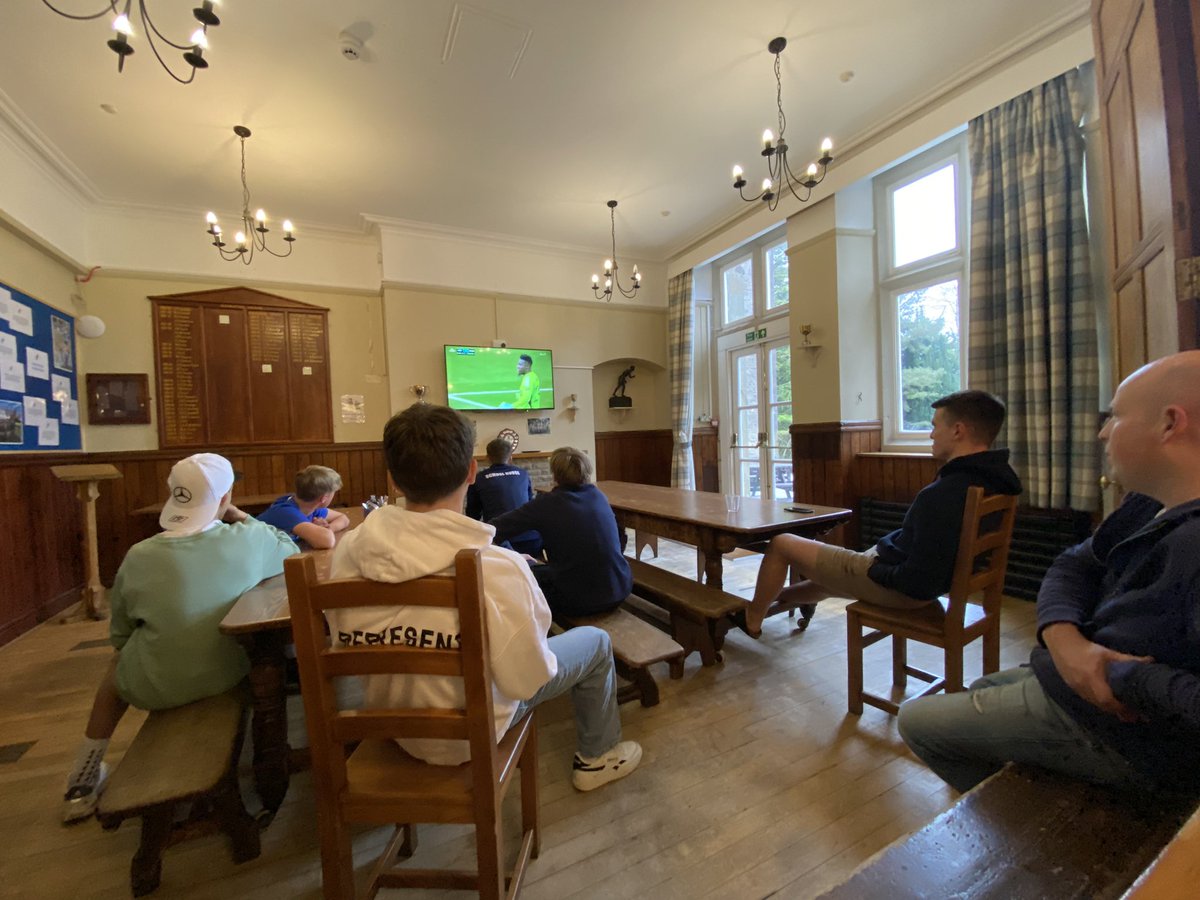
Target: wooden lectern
(88, 479)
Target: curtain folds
(679, 364)
(1032, 338)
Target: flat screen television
(509, 378)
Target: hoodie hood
(989, 469)
(430, 540)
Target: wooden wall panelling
(642, 457)
(706, 458)
(823, 466)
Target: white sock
(87, 762)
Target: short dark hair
(981, 412)
(428, 450)
(570, 467)
(526, 358)
(499, 450)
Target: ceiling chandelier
(780, 175)
(253, 233)
(610, 267)
(193, 52)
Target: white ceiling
(522, 120)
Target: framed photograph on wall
(118, 399)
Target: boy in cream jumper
(430, 455)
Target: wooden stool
(184, 754)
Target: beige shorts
(844, 574)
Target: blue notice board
(39, 394)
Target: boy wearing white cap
(169, 596)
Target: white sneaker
(618, 762)
(81, 799)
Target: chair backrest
(331, 729)
(983, 545)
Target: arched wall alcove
(649, 389)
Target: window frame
(895, 280)
(756, 251)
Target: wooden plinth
(87, 479)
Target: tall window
(750, 286)
(921, 208)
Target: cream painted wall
(420, 322)
(356, 348)
(813, 276)
(649, 390)
(33, 271)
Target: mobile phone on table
(798, 509)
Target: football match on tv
(482, 378)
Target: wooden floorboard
(755, 781)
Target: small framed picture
(118, 399)
(538, 426)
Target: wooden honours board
(240, 366)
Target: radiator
(1039, 535)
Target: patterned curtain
(679, 362)
(1032, 321)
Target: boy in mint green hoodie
(168, 599)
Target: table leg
(268, 725)
(713, 564)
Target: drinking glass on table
(733, 502)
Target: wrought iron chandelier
(611, 279)
(253, 233)
(193, 52)
(780, 175)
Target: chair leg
(899, 660)
(991, 649)
(145, 871)
(488, 853)
(854, 663)
(530, 815)
(954, 669)
(337, 859)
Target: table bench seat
(1023, 834)
(699, 614)
(184, 754)
(636, 646)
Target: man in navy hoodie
(1112, 691)
(913, 565)
(500, 488)
(587, 573)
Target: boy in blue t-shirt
(305, 514)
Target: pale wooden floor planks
(755, 780)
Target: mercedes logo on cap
(181, 495)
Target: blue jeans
(585, 668)
(1007, 717)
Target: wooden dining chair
(950, 623)
(378, 783)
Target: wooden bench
(1024, 833)
(184, 754)
(636, 646)
(699, 615)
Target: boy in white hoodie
(430, 455)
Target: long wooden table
(700, 518)
(262, 622)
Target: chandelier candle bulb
(261, 215)
(240, 237)
(211, 218)
(121, 25)
(200, 39)
(775, 149)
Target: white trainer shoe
(81, 799)
(618, 762)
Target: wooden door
(1150, 96)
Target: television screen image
(479, 378)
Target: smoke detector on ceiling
(351, 46)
